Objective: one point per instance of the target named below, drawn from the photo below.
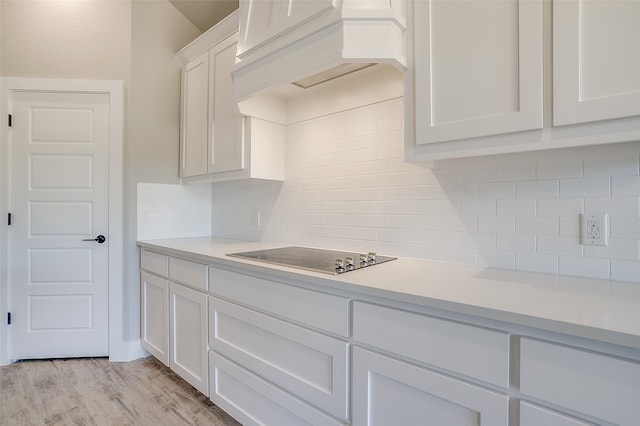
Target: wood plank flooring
(93, 391)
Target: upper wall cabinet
(511, 76)
(596, 60)
(478, 68)
(217, 143)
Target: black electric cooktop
(313, 259)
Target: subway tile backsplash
(347, 187)
(172, 211)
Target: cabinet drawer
(599, 386)
(190, 273)
(310, 365)
(531, 415)
(464, 349)
(251, 400)
(154, 263)
(319, 310)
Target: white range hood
(307, 42)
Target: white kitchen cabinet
(518, 76)
(174, 321)
(189, 334)
(596, 60)
(388, 391)
(591, 384)
(154, 310)
(218, 143)
(478, 68)
(532, 415)
(213, 138)
(307, 364)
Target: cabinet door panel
(195, 117)
(388, 391)
(531, 415)
(154, 308)
(596, 60)
(227, 136)
(252, 400)
(478, 68)
(189, 334)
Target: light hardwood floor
(93, 391)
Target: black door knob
(99, 239)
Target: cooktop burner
(313, 259)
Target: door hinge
(9, 219)
(10, 120)
(9, 318)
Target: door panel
(59, 197)
(596, 60)
(60, 265)
(58, 171)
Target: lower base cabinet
(254, 401)
(387, 391)
(271, 353)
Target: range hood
(337, 38)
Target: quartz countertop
(603, 310)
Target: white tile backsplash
(173, 211)
(347, 187)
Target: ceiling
(204, 14)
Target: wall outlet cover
(595, 229)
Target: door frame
(119, 347)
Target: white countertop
(603, 310)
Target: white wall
(347, 187)
(132, 41)
(63, 39)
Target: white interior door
(59, 145)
